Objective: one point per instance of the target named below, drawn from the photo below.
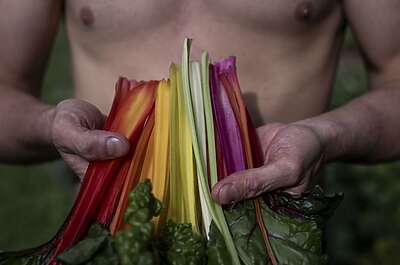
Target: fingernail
(114, 148)
(228, 194)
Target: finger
(253, 182)
(92, 144)
(77, 164)
(80, 112)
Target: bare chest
(139, 38)
(121, 19)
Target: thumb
(253, 182)
(92, 144)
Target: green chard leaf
(21, 260)
(217, 252)
(96, 248)
(86, 249)
(33, 256)
(180, 245)
(177, 244)
(313, 205)
(295, 227)
(128, 247)
(143, 206)
(135, 245)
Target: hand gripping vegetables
(154, 205)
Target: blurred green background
(34, 200)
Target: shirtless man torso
(287, 52)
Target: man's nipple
(304, 11)
(87, 16)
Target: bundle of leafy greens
(154, 205)
(295, 235)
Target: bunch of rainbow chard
(154, 205)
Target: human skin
(287, 57)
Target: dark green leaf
(134, 245)
(24, 257)
(217, 253)
(106, 255)
(295, 228)
(180, 245)
(313, 205)
(85, 250)
(143, 206)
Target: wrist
(41, 123)
(331, 135)
(47, 116)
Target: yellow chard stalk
(156, 161)
(184, 201)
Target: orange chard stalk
(133, 175)
(99, 193)
(128, 113)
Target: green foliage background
(34, 199)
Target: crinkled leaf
(180, 245)
(106, 255)
(143, 205)
(85, 250)
(17, 259)
(295, 240)
(134, 245)
(96, 248)
(313, 205)
(217, 252)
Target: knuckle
(65, 117)
(65, 103)
(291, 169)
(58, 136)
(80, 112)
(71, 103)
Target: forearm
(365, 130)
(25, 133)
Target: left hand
(76, 133)
(293, 155)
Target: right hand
(76, 134)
